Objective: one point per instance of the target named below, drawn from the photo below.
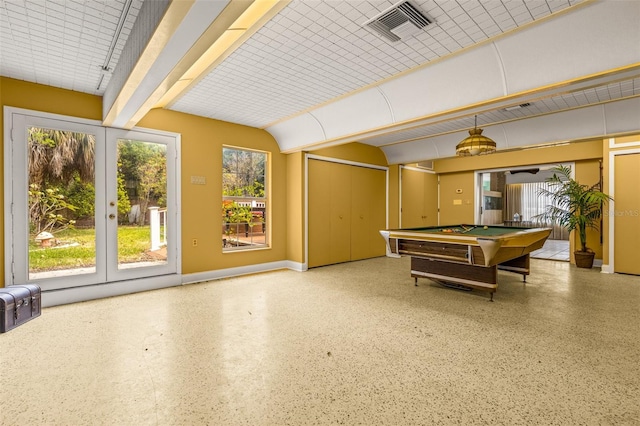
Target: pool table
(466, 256)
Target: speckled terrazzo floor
(353, 344)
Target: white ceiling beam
(591, 45)
(181, 36)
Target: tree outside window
(244, 201)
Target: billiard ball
(486, 227)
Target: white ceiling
(63, 44)
(314, 76)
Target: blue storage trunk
(18, 304)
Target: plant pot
(584, 259)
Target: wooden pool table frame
(468, 261)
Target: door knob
(112, 216)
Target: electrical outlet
(195, 242)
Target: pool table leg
(416, 281)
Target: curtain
(524, 199)
(512, 200)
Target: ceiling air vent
(511, 108)
(400, 21)
(428, 165)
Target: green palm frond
(573, 205)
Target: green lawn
(76, 249)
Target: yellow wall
(458, 174)
(545, 155)
(295, 207)
(457, 208)
(356, 151)
(201, 152)
(201, 148)
(21, 94)
(394, 196)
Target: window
(486, 181)
(244, 199)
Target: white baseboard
(242, 270)
(100, 291)
(606, 269)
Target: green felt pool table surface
(476, 230)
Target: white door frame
(477, 182)
(614, 151)
(113, 272)
(308, 157)
(87, 286)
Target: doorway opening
(510, 197)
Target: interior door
(68, 206)
(419, 198)
(368, 212)
(340, 214)
(319, 214)
(627, 206)
(329, 213)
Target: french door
(86, 204)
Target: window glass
(244, 199)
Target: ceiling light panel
(315, 51)
(62, 43)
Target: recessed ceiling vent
(428, 165)
(400, 21)
(511, 108)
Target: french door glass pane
(61, 202)
(142, 203)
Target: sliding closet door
(368, 212)
(347, 210)
(329, 213)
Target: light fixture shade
(475, 144)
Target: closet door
(329, 213)
(340, 214)
(419, 199)
(368, 212)
(627, 206)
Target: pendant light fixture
(475, 143)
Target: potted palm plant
(574, 206)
